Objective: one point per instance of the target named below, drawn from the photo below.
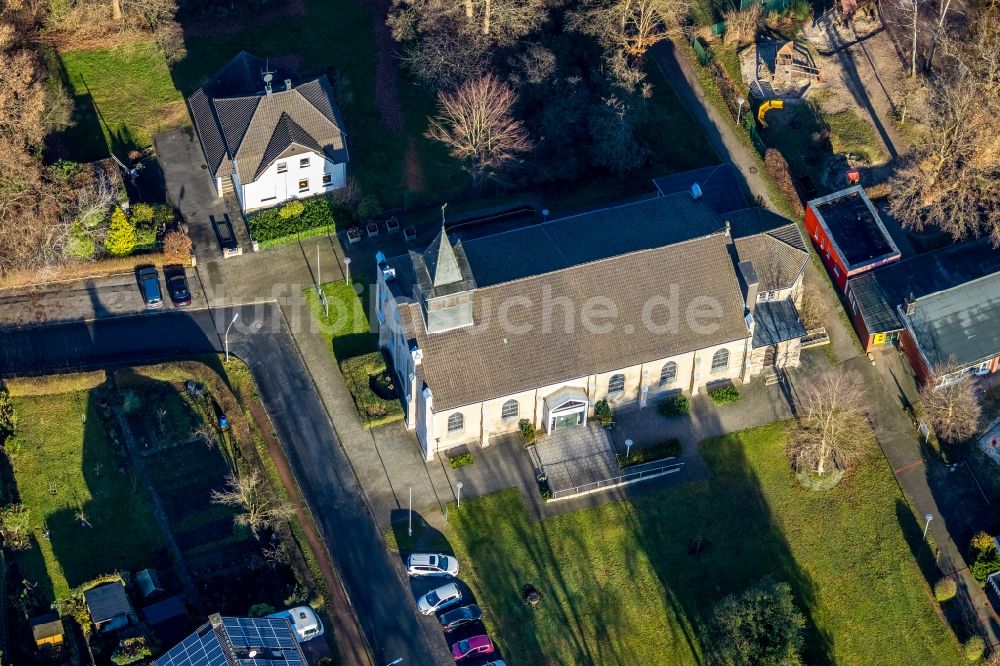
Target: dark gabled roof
(237, 122)
(489, 360)
(880, 292)
(776, 321)
(958, 327)
(107, 601)
(161, 611)
(778, 265)
(756, 220)
(854, 227)
(721, 188)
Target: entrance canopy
(566, 407)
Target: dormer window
(304, 163)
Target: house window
(509, 410)
(304, 163)
(282, 167)
(616, 384)
(720, 360)
(304, 185)
(327, 179)
(669, 373)
(456, 422)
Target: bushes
(8, 417)
(670, 448)
(122, 237)
(945, 589)
(984, 557)
(602, 412)
(724, 394)
(677, 405)
(131, 650)
(177, 246)
(369, 209)
(296, 219)
(361, 373)
(461, 460)
(527, 429)
(973, 649)
(777, 168)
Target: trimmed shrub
(527, 429)
(131, 650)
(974, 649)
(122, 238)
(8, 416)
(369, 208)
(945, 589)
(318, 215)
(603, 413)
(670, 448)
(677, 405)
(142, 214)
(724, 394)
(362, 373)
(461, 460)
(984, 556)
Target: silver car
(420, 564)
(443, 597)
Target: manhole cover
(204, 166)
(258, 325)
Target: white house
(267, 139)
(625, 304)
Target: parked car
(443, 597)
(149, 284)
(421, 564)
(456, 618)
(469, 646)
(304, 620)
(177, 286)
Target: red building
(848, 234)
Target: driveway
(189, 188)
(374, 584)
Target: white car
(305, 622)
(420, 564)
(439, 599)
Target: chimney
(215, 620)
(911, 305)
(696, 191)
(288, 84)
(750, 284)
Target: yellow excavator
(767, 106)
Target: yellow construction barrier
(767, 106)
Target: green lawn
(122, 96)
(346, 329)
(62, 446)
(620, 587)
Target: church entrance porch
(565, 408)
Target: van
(304, 620)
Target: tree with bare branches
(832, 431)
(260, 507)
(631, 27)
(952, 409)
(477, 125)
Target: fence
(616, 481)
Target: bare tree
(952, 410)
(629, 26)
(909, 11)
(250, 492)
(477, 126)
(832, 432)
(952, 178)
(741, 26)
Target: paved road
(375, 586)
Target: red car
(475, 645)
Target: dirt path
(348, 638)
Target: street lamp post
(928, 517)
(409, 528)
(458, 487)
(236, 315)
(628, 449)
(739, 109)
(347, 270)
(397, 660)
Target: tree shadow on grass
(84, 140)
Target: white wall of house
(296, 177)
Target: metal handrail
(619, 480)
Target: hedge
(670, 448)
(318, 216)
(676, 405)
(20, 387)
(360, 373)
(724, 394)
